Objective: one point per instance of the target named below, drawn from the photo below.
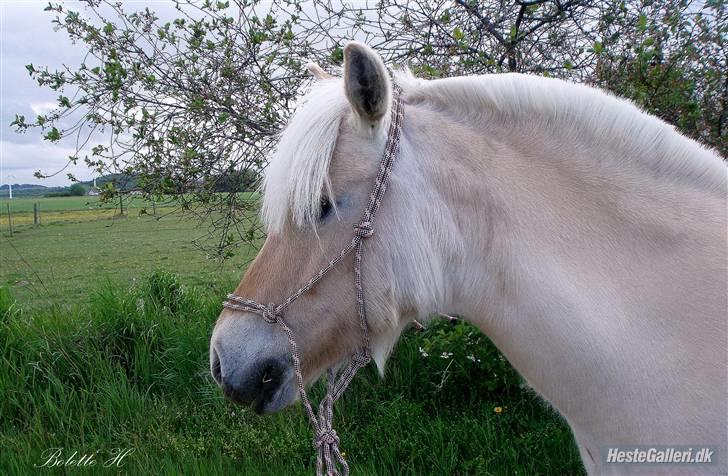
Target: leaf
(642, 23)
(19, 121)
(337, 55)
(53, 135)
(458, 34)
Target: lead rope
(326, 441)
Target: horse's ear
(317, 71)
(366, 82)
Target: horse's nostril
(260, 384)
(215, 367)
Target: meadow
(68, 209)
(104, 328)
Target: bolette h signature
(69, 457)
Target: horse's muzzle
(268, 386)
(252, 371)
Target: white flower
(472, 358)
(446, 355)
(424, 354)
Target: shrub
(77, 190)
(458, 352)
(63, 193)
(166, 291)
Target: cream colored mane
(297, 175)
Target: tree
(669, 57)
(190, 106)
(77, 190)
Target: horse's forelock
(297, 175)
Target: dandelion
(498, 409)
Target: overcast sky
(27, 36)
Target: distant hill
(27, 190)
(231, 182)
(121, 181)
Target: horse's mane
(298, 172)
(297, 175)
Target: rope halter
(329, 460)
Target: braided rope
(329, 460)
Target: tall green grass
(129, 370)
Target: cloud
(23, 160)
(42, 108)
(27, 36)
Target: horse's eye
(325, 208)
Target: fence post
(10, 220)
(154, 207)
(36, 215)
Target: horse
(584, 237)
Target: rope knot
(270, 314)
(364, 229)
(362, 358)
(326, 437)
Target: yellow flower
(343, 454)
(498, 409)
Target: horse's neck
(530, 205)
(570, 260)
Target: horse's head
(316, 187)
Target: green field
(73, 209)
(55, 204)
(63, 263)
(102, 350)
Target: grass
(100, 351)
(25, 204)
(63, 263)
(71, 209)
(129, 370)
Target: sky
(27, 36)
